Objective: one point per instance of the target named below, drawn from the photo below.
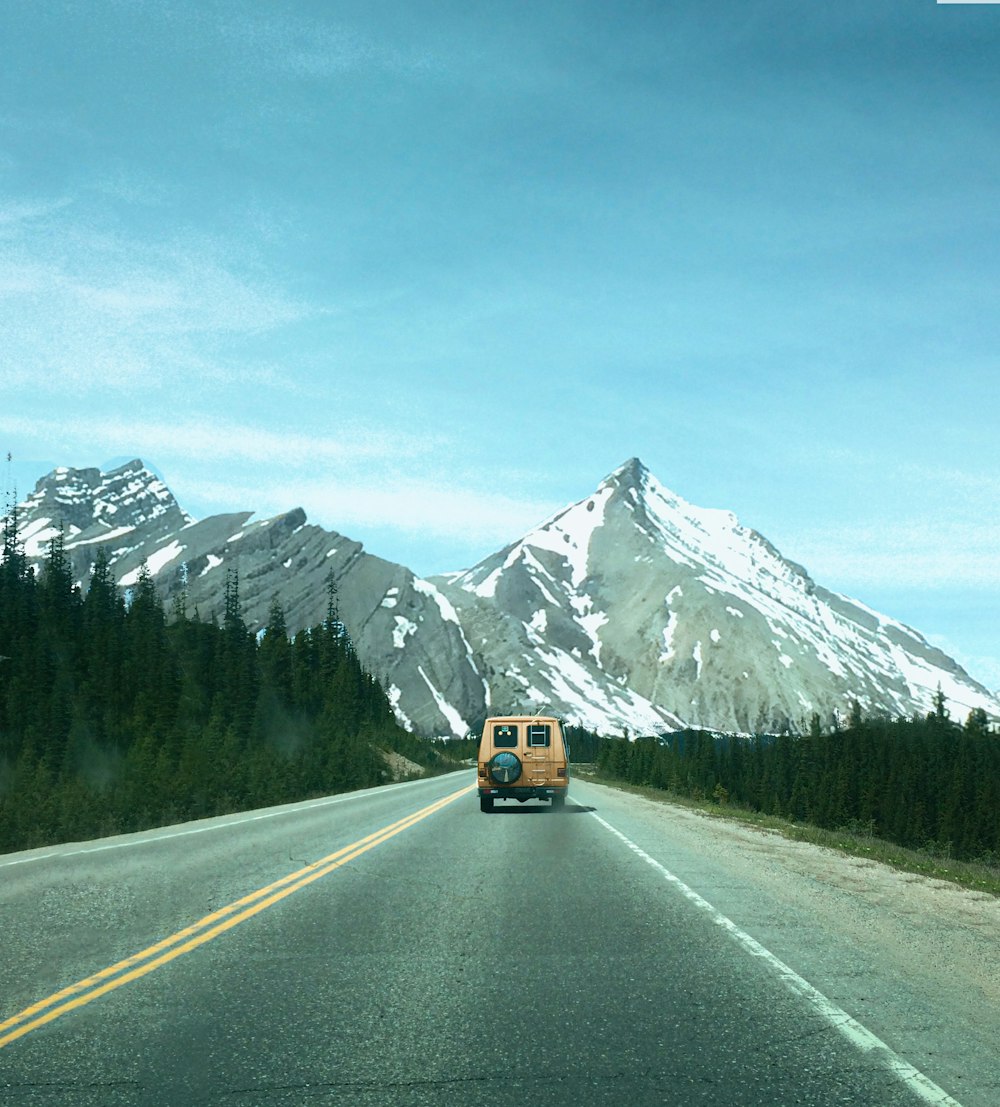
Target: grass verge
(979, 876)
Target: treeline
(921, 783)
(115, 718)
(583, 743)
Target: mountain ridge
(630, 609)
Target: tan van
(523, 757)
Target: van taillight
(561, 771)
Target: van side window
(538, 734)
(505, 737)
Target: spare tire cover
(505, 767)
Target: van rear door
(540, 754)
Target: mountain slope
(633, 603)
(404, 631)
(630, 609)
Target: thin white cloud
(349, 480)
(354, 479)
(428, 508)
(175, 289)
(14, 212)
(931, 554)
(83, 311)
(431, 508)
(313, 49)
(132, 187)
(184, 442)
(977, 488)
(909, 524)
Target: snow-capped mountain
(630, 609)
(636, 608)
(404, 630)
(103, 508)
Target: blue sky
(432, 270)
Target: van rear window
(538, 734)
(505, 737)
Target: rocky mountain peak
(404, 630)
(631, 474)
(638, 609)
(89, 505)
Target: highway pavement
(399, 947)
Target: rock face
(630, 609)
(635, 608)
(404, 630)
(97, 508)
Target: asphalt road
(347, 951)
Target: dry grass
(858, 841)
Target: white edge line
(859, 1036)
(141, 841)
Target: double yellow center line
(211, 926)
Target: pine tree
(275, 653)
(940, 715)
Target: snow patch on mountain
(667, 634)
(568, 534)
(425, 588)
(36, 537)
(403, 629)
(456, 724)
(394, 695)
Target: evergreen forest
(922, 783)
(115, 717)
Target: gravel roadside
(915, 959)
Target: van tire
(505, 767)
(559, 801)
(486, 804)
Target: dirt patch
(400, 767)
